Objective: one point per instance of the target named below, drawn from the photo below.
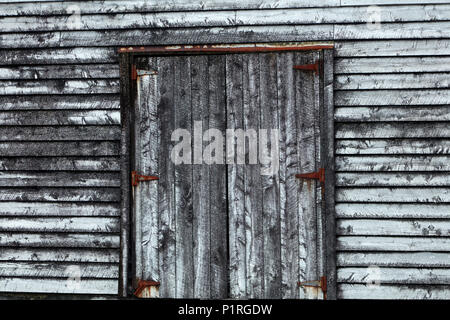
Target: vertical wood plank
(166, 197)
(139, 155)
(304, 81)
(236, 180)
(150, 144)
(125, 106)
(201, 189)
(328, 163)
(270, 183)
(318, 107)
(253, 194)
(217, 180)
(288, 183)
(183, 184)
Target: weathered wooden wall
(216, 231)
(60, 115)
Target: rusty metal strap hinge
(144, 284)
(319, 175)
(309, 67)
(136, 178)
(135, 73)
(321, 283)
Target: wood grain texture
(56, 209)
(59, 133)
(289, 166)
(393, 163)
(387, 2)
(391, 210)
(406, 30)
(166, 196)
(60, 102)
(397, 114)
(60, 194)
(393, 89)
(197, 216)
(362, 227)
(58, 240)
(91, 86)
(58, 56)
(59, 164)
(392, 64)
(395, 275)
(18, 9)
(275, 16)
(84, 286)
(272, 233)
(149, 135)
(145, 261)
(413, 292)
(270, 183)
(138, 37)
(328, 162)
(43, 118)
(183, 184)
(239, 34)
(60, 72)
(78, 224)
(397, 259)
(53, 270)
(201, 202)
(392, 179)
(393, 81)
(418, 195)
(392, 97)
(89, 149)
(236, 181)
(393, 146)
(383, 48)
(253, 192)
(307, 120)
(60, 255)
(217, 181)
(372, 243)
(393, 130)
(125, 195)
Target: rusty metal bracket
(321, 283)
(136, 178)
(133, 72)
(144, 284)
(319, 175)
(309, 67)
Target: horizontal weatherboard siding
(60, 255)
(60, 131)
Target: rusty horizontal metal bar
(319, 175)
(309, 67)
(225, 48)
(136, 178)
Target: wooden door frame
(127, 97)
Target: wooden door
(224, 229)
(275, 220)
(180, 220)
